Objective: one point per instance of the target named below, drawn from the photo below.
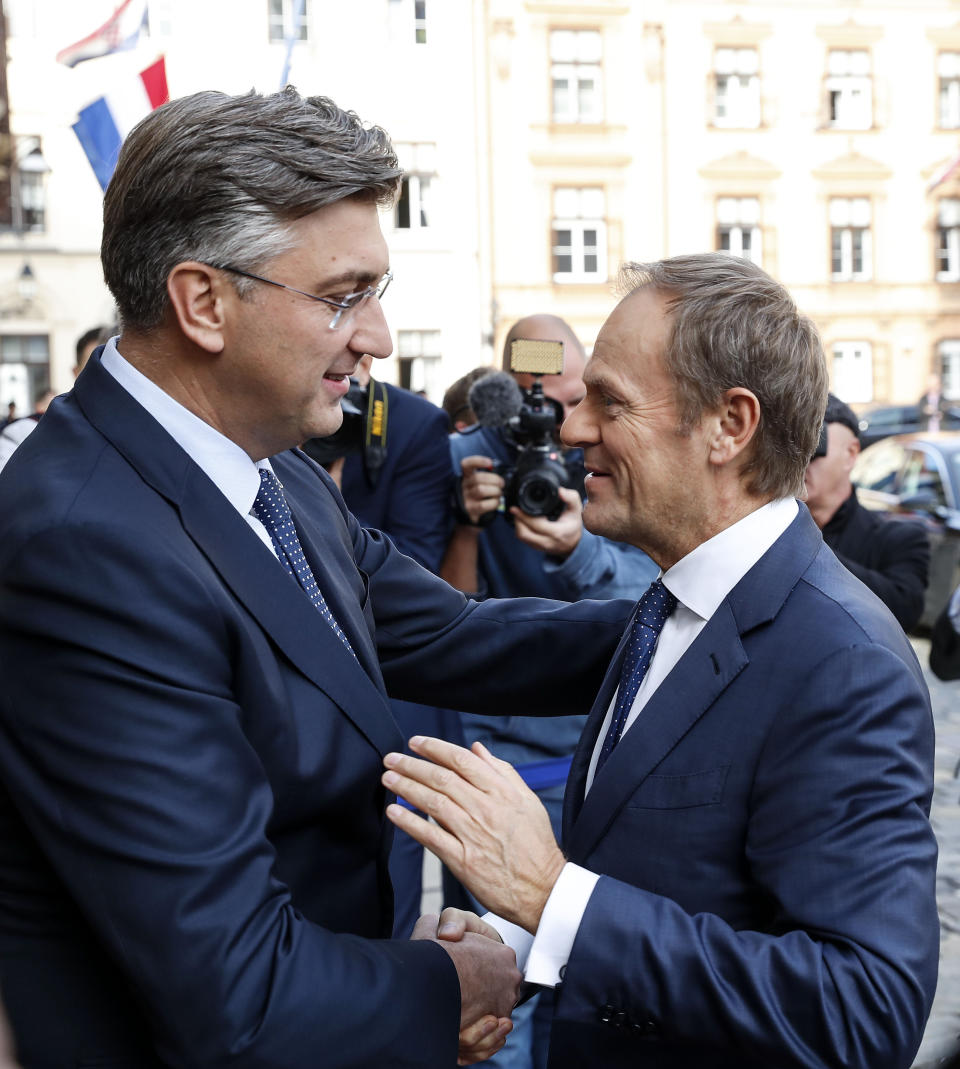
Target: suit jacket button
(606, 1014)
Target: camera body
(533, 481)
(540, 467)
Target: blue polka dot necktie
(271, 509)
(652, 612)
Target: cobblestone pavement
(942, 1037)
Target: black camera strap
(375, 432)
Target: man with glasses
(198, 639)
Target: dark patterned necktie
(652, 612)
(271, 509)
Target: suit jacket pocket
(680, 790)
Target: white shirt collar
(234, 474)
(706, 575)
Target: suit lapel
(255, 577)
(713, 661)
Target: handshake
(489, 979)
(494, 835)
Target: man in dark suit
(891, 558)
(748, 876)
(197, 639)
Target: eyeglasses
(345, 304)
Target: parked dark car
(886, 420)
(916, 477)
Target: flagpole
(291, 39)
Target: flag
(119, 32)
(104, 124)
(945, 172)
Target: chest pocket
(681, 791)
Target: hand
(491, 830)
(488, 974)
(559, 537)
(481, 487)
(455, 923)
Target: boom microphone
(495, 399)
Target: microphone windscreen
(495, 399)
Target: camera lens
(537, 495)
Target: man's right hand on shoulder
(481, 487)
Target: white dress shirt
(228, 467)
(699, 582)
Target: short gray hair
(733, 325)
(219, 178)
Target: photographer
(513, 553)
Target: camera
(364, 430)
(527, 421)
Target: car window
(877, 466)
(921, 477)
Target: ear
(853, 451)
(734, 425)
(196, 293)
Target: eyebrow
(358, 278)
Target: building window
(849, 91)
(289, 19)
(419, 355)
(948, 240)
(852, 377)
(738, 228)
(24, 370)
(404, 15)
(948, 357)
(579, 236)
(736, 88)
(851, 246)
(575, 76)
(413, 208)
(948, 68)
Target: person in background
(13, 434)
(748, 877)
(891, 557)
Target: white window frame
(579, 211)
(280, 15)
(948, 357)
(575, 64)
(420, 352)
(418, 160)
(849, 88)
(948, 90)
(948, 239)
(736, 88)
(738, 220)
(851, 375)
(851, 221)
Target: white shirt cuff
(519, 939)
(559, 924)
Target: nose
(370, 333)
(578, 427)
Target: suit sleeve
(839, 844)
(900, 567)
(129, 758)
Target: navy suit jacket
(192, 836)
(767, 892)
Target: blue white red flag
(121, 31)
(104, 124)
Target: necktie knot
(653, 611)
